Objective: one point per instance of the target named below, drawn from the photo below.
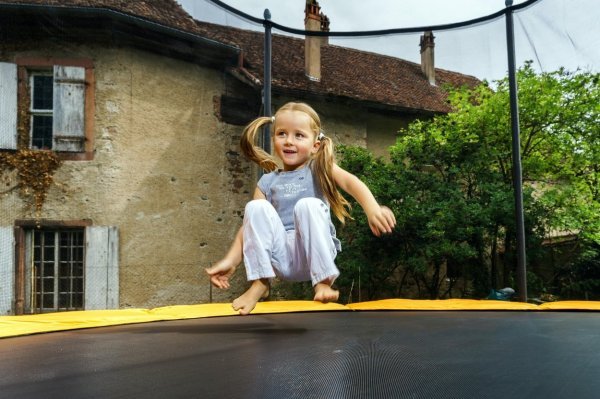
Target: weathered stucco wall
(165, 171)
(172, 163)
(175, 168)
(383, 132)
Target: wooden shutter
(8, 106)
(101, 267)
(7, 269)
(69, 109)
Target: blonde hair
(323, 159)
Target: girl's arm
(224, 268)
(381, 219)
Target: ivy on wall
(31, 172)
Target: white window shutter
(69, 109)
(8, 106)
(101, 267)
(7, 270)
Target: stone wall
(163, 172)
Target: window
(41, 110)
(57, 270)
(51, 102)
(58, 266)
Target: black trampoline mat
(410, 354)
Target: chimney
(324, 28)
(314, 20)
(427, 56)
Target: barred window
(57, 274)
(54, 266)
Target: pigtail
(323, 168)
(254, 152)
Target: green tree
(449, 182)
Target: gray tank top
(283, 189)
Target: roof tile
(345, 72)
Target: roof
(158, 26)
(345, 72)
(164, 12)
(356, 75)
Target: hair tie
(272, 119)
(321, 135)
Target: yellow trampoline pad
(11, 326)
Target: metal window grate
(58, 258)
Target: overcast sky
(552, 33)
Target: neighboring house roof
(376, 79)
(345, 72)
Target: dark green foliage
(449, 183)
(580, 278)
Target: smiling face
(294, 141)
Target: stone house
(144, 107)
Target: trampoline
(340, 353)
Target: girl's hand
(220, 273)
(381, 221)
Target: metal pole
(516, 155)
(267, 81)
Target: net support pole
(516, 156)
(267, 81)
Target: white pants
(303, 254)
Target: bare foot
(247, 301)
(324, 293)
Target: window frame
(23, 241)
(36, 283)
(101, 264)
(28, 66)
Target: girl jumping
(287, 230)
